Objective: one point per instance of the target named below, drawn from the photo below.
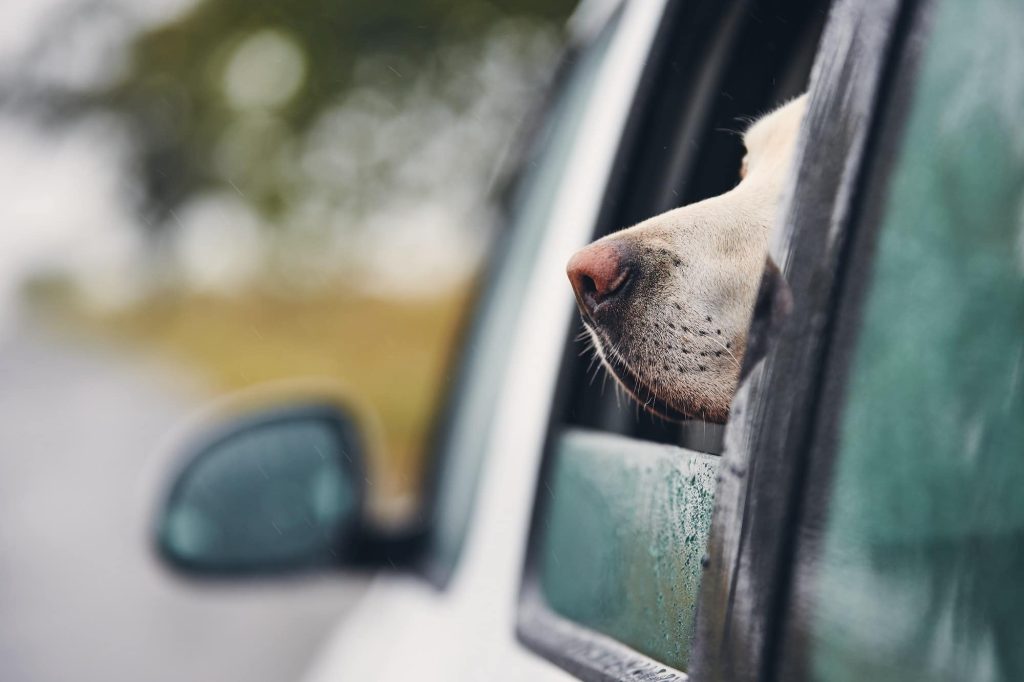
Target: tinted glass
(624, 536)
(923, 555)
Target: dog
(667, 303)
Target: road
(80, 596)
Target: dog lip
(654, 404)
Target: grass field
(394, 354)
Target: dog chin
(665, 407)
(650, 400)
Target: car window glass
(923, 548)
(464, 441)
(624, 535)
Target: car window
(624, 502)
(463, 438)
(916, 573)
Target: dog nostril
(598, 273)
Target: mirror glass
(276, 493)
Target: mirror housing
(277, 491)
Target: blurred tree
(274, 67)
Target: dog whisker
(738, 133)
(735, 361)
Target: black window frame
(775, 484)
(585, 653)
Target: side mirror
(277, 491)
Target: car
(860, 515)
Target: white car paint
(406, 628)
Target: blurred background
(201, 196)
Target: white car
(861, 521)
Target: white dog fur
(673, 330)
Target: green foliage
(173, 98)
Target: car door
(872, 526)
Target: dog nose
(598, 273)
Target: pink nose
(597, 272)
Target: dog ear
(772, 307)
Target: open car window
(624, 502)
